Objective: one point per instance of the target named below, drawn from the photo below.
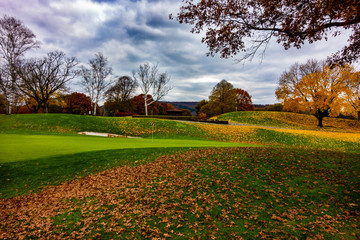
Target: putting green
(17, 147)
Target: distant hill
(261, 105)
(191, 105)
(184, 105)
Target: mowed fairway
(16, 147)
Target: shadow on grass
(23, 177)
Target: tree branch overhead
(227, 23)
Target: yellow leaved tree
(352, 95)
(322, 91)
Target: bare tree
(118, 96)
(122, 90)
(95, 79)
(6, 86)
(15, 40)
(41, 78)
(151, 81)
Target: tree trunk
(146, 107)
(320, 114)
(358, 115)
(94, 109)
(8, 107)
(320, 121)
(46, 108)
(11, 103)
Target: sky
(134, 32)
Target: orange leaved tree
(352, 94)
(243, 100)
(320, 93)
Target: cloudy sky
(132, 32)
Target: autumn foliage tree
(139, 105)
(2, 105)
(320, 93)
(56, 104)
(164, 107)
(243, 100)
(221, 100)
(199, 106)
(186, 112)
(233, 26)
(78, 103)
(30, 106)
(223, 96)
(352, 94)
(290, 79)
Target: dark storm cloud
(138, 35)
(105, 1)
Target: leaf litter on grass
(248, 193)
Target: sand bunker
(105, 135)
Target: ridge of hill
(290, 120)
(191, 105)
(184, 105)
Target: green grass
(19, 147)
(96, 187)
(227, 193)
(66, 124)
(43, 145)
(69, 125)
(23, 176)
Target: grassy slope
(290, 120)
(47, 139)
(53, 136)
(227, 193)
(22, 177)
(65, 124)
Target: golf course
(266, 175)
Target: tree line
(38, 82)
